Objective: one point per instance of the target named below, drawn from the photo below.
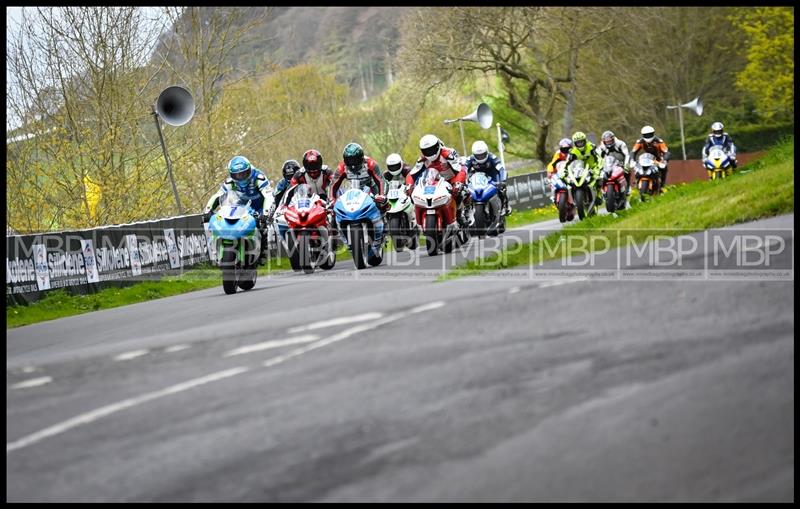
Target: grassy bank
(761, 189)
(60, 303)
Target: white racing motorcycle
(402, 221)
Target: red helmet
(312, 162)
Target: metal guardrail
(529, 191)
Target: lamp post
(697, 106)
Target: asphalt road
(510, 387)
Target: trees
(519, 44)
(769, 74)
(76, 82)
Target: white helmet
(394, 163)
(480, 150)
(716, 129)
(648, 133)
(430, 146)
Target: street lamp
(697, 106)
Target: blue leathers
(725, 141)
(257, 190)
(492, 166)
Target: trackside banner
(85, 261)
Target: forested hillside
(270, 83)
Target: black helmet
(290, 166)
(353, 155)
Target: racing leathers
(257, 191)
(659, 149)
(493, 167)
(317, 185)
(446, 163)
(726, 142)
(551, 170)
(588, 155)
(619, 147)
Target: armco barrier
(84, 261)
(528, 191)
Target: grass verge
(764, 188)
(60, 303)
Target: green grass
(523, 217)
(761, 189)
(60, 303)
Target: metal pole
(500, 146)
(463, 143)
(166, 158)
(680, 118)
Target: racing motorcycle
(718, 163)
(308, 237)
(488, 218)
(237, 242)
(562, 195)
(647, 175)
(614, 185)
(580, 180)
(360, 224)
(402, 221)
(436, 211)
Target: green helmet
(579, 140)
(353, 155)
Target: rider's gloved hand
(380, 199)
(263, 220)
(207, 216)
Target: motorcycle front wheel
(228, 265)
(431, 234)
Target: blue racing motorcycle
(488, 218)
(237, 242)
(360, 224)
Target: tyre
(396, 230)
(479, 226)
(228, 265)
(563, 205)
(330, 261)
(250, 280)
(611, 199)
(355, 236)
(304, 250)
(431, 234)
(580, 203)
(644, 186)
(294, 253)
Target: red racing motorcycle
(308, 238)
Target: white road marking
(349, 332)
(176, 348)
(558, 282)
(336, 321)
(130, 355)
(116, 407)
(516, 289)
(307, 338)
(33, 382)
(99, 413)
